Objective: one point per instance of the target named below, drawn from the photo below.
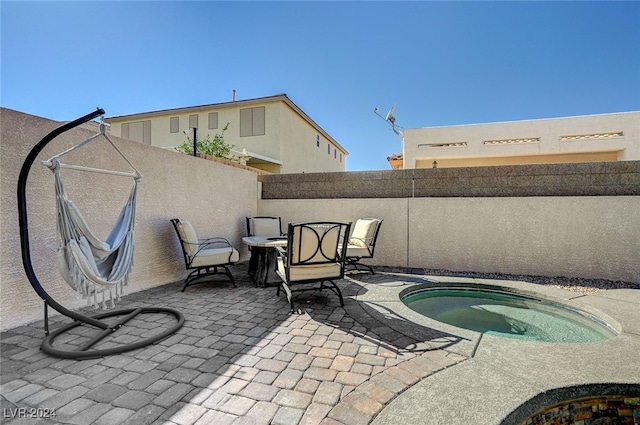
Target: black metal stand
(85, 351)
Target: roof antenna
(390, 119)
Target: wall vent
(512, 141)
(592, 136)
(442, 145)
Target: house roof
(233, 104)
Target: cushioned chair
(312, 256)
(362, 242)
(264, 226)
(206, 257)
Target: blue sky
(441, 63)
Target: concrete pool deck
(500, 374)
(241, 358)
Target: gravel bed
(575, 284)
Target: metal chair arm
(211, 242)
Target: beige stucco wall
(579, 236)
(300, 150)
(598, 142)
(215, 197)
(585, 236)
(288, 137)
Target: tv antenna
(390, 119)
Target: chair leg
(335, 289)
(230, 276)
(289, 293)
(293, 310)
(369, 267)
(331, 286)
(355, 263)
(205, 272)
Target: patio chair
(362, 242)
(264, 226)
(312, 256)
(206, 257)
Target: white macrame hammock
(98, 270)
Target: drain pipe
(413, 195)
(408, 232)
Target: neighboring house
(606, 137)
(270, 133)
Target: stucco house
(270, 133)
(588, 138)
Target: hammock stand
(104, 329)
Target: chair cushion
(215, 257)
(188, 234)
(363, 232)
(265, 226)
(357, 251)
(313, 271)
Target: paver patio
(240, 358)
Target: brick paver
(240, 358)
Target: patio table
(263, 261)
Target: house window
(317, 140)
(328, 149)
(252, 121)
(174, 124)
(335, 153)
(137, 131)
(340, 157)
(213, 120)
(193, 121)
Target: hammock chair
(96, 269)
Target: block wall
(579, 179)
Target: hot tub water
(507, 314)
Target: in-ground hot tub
(502, 312)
